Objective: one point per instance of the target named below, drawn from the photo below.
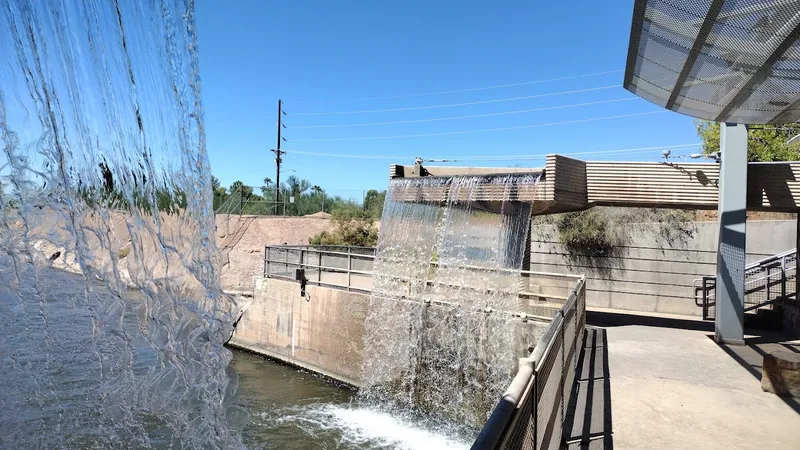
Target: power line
(456, 91)
(450, 105)
(503, 113)
(486, 130)
(496, 158)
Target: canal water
(299, 410)
(273, 407)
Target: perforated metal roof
(722, 60)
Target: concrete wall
(653, 277)
(241, 241)
(323, 332)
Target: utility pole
(278, 154)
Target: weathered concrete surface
(323, 332)
(675, 388)
(651, 275)
(780, 373)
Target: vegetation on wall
(597, 237)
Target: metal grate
(722, 60)
(766, 282)
(537, 419)
(549, 403)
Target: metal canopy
(723, 60)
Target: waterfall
(104, 172)
(439, 336)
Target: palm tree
(318, 191)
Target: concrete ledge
(288, 360)
(780, 373)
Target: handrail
(769, 259)
(505, 417)
(278, 256)
(760, 277)
(316, 249)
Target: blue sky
(348, 56)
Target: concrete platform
(673, 387)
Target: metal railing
(237, 204)
(350, 268)
(768, 282)
(531, 412)
(342, 267)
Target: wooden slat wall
(649, 183)
(528, 192)
(571, 184)
(565, 180)
(774, 186)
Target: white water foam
(367, 428)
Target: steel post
(783, 278)
(349, 268)
(732, 208)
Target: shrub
(596, 238)
(355, 232)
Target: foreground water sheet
(104, 173)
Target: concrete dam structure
(341, 311)
(442, 322)
(436, 319)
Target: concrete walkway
(673, 387)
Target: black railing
(768, 282)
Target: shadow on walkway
(617, 319)
(587, 424)
(751, 356)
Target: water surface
(274, 407)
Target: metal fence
(342, 267)
(255, 201)
(766, 282)
(350, 268)
(530, 414)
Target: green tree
(237, 186)
(764, 143)
(220, 193)
(373, 203)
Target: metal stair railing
(767, 282)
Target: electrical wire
(451, 105)
(494, 158)
(437, 119)
(485, 130)
(456, 91)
